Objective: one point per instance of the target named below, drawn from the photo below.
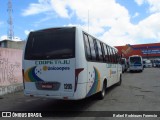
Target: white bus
(135, 63)
(68, 63)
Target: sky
(115, 22)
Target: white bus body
(59, 63)
(135, 63)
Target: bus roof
(77, 27)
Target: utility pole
(10, 21)
(88, 20)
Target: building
(12, 44)
(149, 51)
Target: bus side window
(105, 53)
(109, 54)
(96, 49)
(119, 59)
(112, 50)
(92, 46)
(87, 47)
(99, 51)
(114, 55)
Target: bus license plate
(47, 85)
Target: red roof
(145, 50)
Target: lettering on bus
(56, 62)
(45, 68)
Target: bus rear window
(56, 43)
(135, 60)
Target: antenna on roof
(88, 20)
(10, 21)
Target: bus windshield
(136, 60)
(57, 43)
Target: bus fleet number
(67, 86)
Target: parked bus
(124, 64)
(68, 63)
(135, 63)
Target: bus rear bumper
(53, 97)
(135, 68)
(78, 95)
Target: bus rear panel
(135, 63)
(50, 65)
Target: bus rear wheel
(102, 93)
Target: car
(147, 63)
(144, 62)
(153, 63)
(157, 63)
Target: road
(138, 92)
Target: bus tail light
(77, 71)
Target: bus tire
(120, 81)
(102, 93)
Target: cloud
(46, 18)
(139, 2)
(135, 15)
(108, 20)
(148, 28)
(44, 6)
(37, 8)
(4, 37)
(17, 39)
(154, 5)
(116, 17)
(60, 8)
(146, 31)
(102, 14)
(27, 32)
